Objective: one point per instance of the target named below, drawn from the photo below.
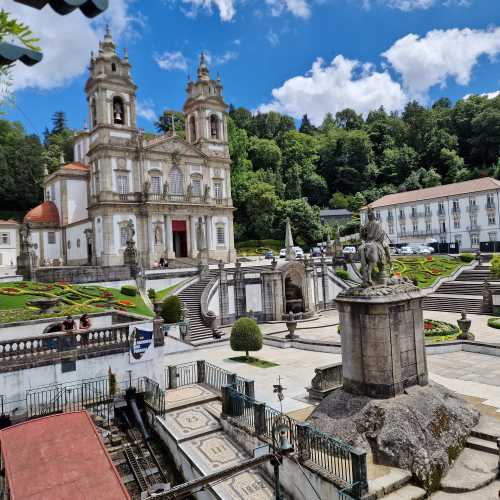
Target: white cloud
(146, 110)
(409, 5)
(299, 8)
(221, 59)
(66, 42)
(273, 38)
(489, 95)
(330, 88)
(170, 61)
(226, 8)
(441, 54)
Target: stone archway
(294, 297)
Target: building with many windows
(464, 215)
(167, 185)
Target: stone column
(169, 237)
(304, 450)
(240, 296)
(272, 296)
(192, 237)
(314, 273)
(208, 231)
(223, 295)
(107, 239)
(324, 282)
(232, 251)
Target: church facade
(167, 186)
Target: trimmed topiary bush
(152, 293)
(342, 274)
(494, 322)
(171, 310)
(467, 257)
(129, 290)
(246, 336)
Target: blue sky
(295, 56)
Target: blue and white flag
(141, 344)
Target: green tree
(304, 220)
(171, 309)
(59, 123)
(265, 154)
(164, 123)
(246, 336)
(431, 178)
(306, 127)
(348, 119)
(328, 123)
(339, 200)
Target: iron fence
(154, 396)
(215, 376)
(187, 373)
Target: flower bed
(439, 331)
(425, 270)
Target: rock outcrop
(422, 430)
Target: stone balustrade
(326, 379)
(43, 349)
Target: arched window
(192, 129)
(214, 127)
(118, 111)
(176, 181)
(93, 112)
(113, 67)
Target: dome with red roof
(45, 213)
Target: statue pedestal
(383, 346)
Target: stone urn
(464, 325)
(45, 304)
(291, 324)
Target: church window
(123, 236)
(122, 181)
(220, 234)
(113, 67)
(93, 112)
(176, 181)
(156, 184)
(118, 111)
(196, 186)
(51, 238)
(4, 238)
(214, 127)
(218, 190)
(69, 244)
(192, 129)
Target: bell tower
(206, 112)
(110, 90)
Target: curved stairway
(191, 298)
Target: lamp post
(281, 448)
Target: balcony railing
(490, 206)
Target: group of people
(163, 262)
(69, 324)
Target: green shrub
(129, 290)
(152, 293)
(495, 265)
(171, 309)
(342, 274)
(494, 322)
(246, 336)
(435, 328)
(467, 257)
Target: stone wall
(83, 274)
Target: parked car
(299, 253)
(406, 251)
(282, 253)
(423, 250)
(349, 250)
(269, 254)
(315, 252)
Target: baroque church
(167, 186)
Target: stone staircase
(474, 275)
(455, 304)
(191, 298)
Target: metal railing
(344, 463)
(154, 396)
(50, 346)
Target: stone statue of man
(200, 234)
(374, 253)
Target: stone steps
(479, 444)
(407, 492)
(472, 470)
(435, 302)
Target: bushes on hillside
(246, 336)
(171, 310)
(342, 274)
(467, 257)
(129, 290)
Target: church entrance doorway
(179, 238)
(89, 252)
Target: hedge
(342, 274)
(129, 290)
(171, 309)
(246, 336)
(494, 322)
(467, 257)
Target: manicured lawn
(259, 363)
(425, 269)
(74, 300)
(162, 294)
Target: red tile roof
(8, 222)
(476, 185)
(76, 165)
(60, 457)
(46, 212)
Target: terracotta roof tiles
(76, 165)
(459, 188)
(46, 213)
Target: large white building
(166, 185)
(464, 215)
